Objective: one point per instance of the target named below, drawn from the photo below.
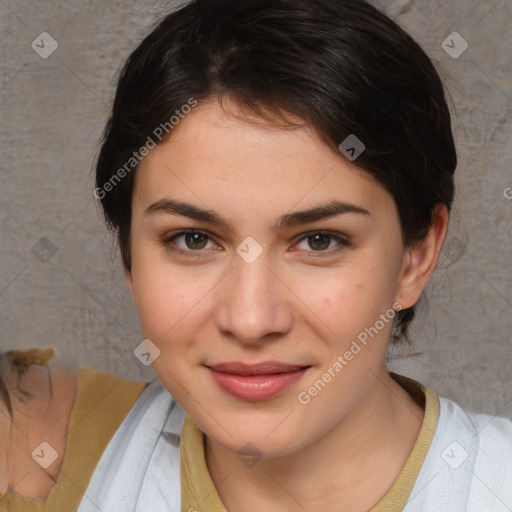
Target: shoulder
(97, 388)
(492, 434)
(39, 391)
(469, 464)
(140, 466)
(491, 442)
(75, 411)
(38, 397)
(489, 457)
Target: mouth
(255, 382)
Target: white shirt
(468, 467)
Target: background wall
(61, 282)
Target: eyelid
(167, 240)
(341, 239)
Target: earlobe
(420, 260)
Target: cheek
(167, 303)
(353, 309)
(171, 316)
(350, 301)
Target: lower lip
(256, 387)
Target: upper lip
(263, 368)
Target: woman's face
(304, 294)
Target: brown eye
(188, 241)
(322, 242)
(319, 241)
(195, 240)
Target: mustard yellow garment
(101, 403)
(198, 491)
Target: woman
(280, 176)
(56, 423)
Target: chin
(263, 438)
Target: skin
(296, 303)
(41, 416)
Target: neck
(355, 463)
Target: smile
(256, 382)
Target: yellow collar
(198, 491)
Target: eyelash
(168, 240)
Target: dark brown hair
(342, 66)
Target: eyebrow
(323, 211)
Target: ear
(129, 281)
(420, 260)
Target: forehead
(232, 135)
(216, 156)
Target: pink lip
(256, 382)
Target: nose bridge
(254, 301)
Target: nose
(254, 302)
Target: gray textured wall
(61, 282)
